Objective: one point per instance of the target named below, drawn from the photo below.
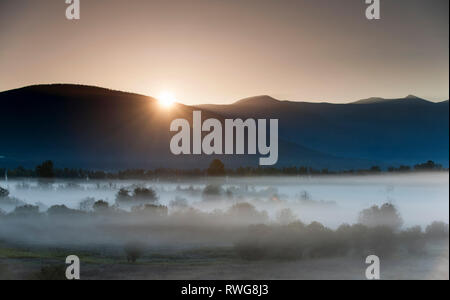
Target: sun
(167, 99)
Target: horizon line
(409, 95)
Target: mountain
(389, 131)
(375, 100)
(90, 127)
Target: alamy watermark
(372, 11)
(73, 270)
(73, 10)
(373, 270)
(212, 143)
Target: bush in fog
(123, 195)
(145, 194)
(9, 203)
(179, 202)
(134, 251)
(414, 240)
(151, 210)
(100, 206)
(437, 230)
(87, 204)
(381, 240)
(61, 210)
(26, 211)
(139, 196)
(386, 215)
(297, 241)
(246, 212)
(212, 192)
(286, 216)
(3, 192)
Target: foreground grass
(192, 256)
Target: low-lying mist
(260, 217)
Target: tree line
(216, 168)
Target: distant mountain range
(90, 127)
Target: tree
(429, 165)
(3, 193)
(60, 210)
(145, 194)
(133, 251)
(386, 215)
(216, 168)
(100, 206)
(437, 230)
(45, 170)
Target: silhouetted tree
(45, 170)
(429, 165)
(216, 168)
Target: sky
(220, 51)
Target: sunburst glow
(167, 99)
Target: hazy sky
(218, 51)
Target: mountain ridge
(87, 126)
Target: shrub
(212, 192)
(246, 212)
(133, 251)
(61, 210)
(26, 210)
(87, 204)
(139, 196)
(437, 230)
(145, 194)
(386, 215)
(151, 209)
(179, 202)
(414, 240)
(100, 206)
(3, 193)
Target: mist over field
(332, 200)
(249, 219)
